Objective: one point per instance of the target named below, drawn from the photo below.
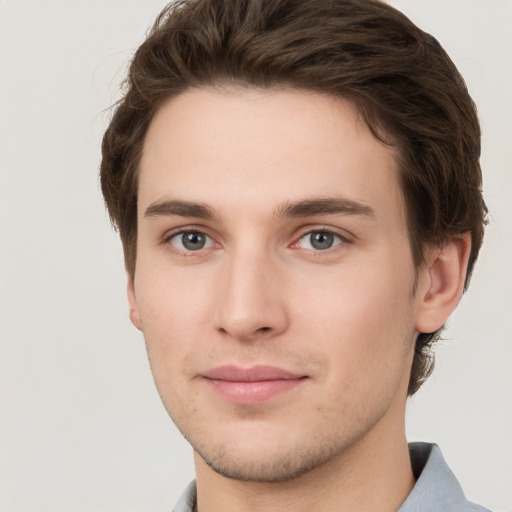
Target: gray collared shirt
(436, 487)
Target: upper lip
(258, 373)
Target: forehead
(247, 149)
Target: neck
(373, 474)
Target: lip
(251, 385)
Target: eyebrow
(179, 208)
(324, 206)
(290, 209)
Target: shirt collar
(436, 486)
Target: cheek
(363, 338)
(173, 313)
(170, 298)
(362, 319)
(168, 329)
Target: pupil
(193, 241)
(322, 240)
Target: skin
(260, 292)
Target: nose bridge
(251, 302)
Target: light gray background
(82, 428)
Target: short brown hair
(404, 84)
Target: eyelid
(172, 233)
(336, 242)
(342, 234)
(189, 228)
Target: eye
(319, 240)
(187, 241)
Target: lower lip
(252, 392)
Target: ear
(442, 282)
(134, 308)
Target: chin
(275, 468)
(270, 462)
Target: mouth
(251, 385)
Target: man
(298, 192)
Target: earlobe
(442, 283)
(134, 308)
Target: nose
(252, 299)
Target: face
(274, 279)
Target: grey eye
(319, 240)
(191, 241)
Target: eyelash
(167, 240)
(341, 240)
